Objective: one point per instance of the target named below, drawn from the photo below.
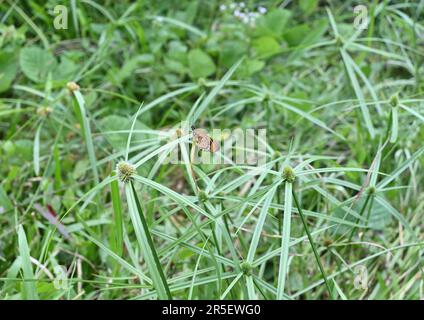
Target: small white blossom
(222, 7)
(262, 10)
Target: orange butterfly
(203, 141)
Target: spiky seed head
(203, 197)
(73, 86)
(371, 190)
(201, 82)
(266, 95)
(246, 268)
(44, 111)
(125, 171)
(394, 100)
(327, 242)
(339, 41)
(276, 155)
(288, 174)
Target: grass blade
(256, 236)
(146, 244)
(172, 194)
(395, 124)
(30, 290)
(400, 169)
(356, 87)
(285, 241)
(117, 209)
(311, 241)
(215, 91)
(127, 150)
(80, 111)
(37, 150)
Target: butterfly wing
(213, 146)
(204, 142)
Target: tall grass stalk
(81, 114)
(285, 239)
(146, 244)
(30, 289)
(313, 246)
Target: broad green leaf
(65, 70)
(8, 68)
(296, 35)
(5, 202)
(308, 6)
(273, 23)
(265, 46)
(36, 63)
(200, 63)
(230, 52)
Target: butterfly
(203, 141)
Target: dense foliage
(89, 211)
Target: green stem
(117, 209)
(151, 244)
(369, 211)
(360, 214)
(311, 241)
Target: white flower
(222, 7)
(262, 10)
(242, 5)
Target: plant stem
(117, 210)
(311, 241)
(164, 284)
(360, 214)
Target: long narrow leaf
(81, 112)
(30, 289)
(285, 240)
(146, 243)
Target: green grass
(341, 189)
